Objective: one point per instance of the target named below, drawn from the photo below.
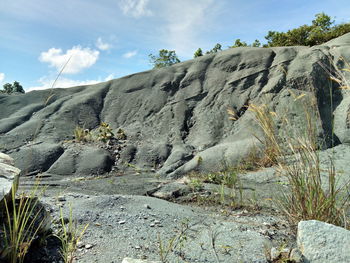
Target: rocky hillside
(173, 115)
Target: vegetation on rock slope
(321, 30)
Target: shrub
(215, 49)
(12, 88)
(105, 133)
(81, 134)
(320, 31)
(198, 53)
(165, 58)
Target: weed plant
(229, 191)
(81, 134)
(177, 242)
(296, 154)
(69, 235)
(104, 133)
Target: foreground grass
(26, 222)
(296, 154)
(23, 222)
(69, 235)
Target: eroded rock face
(9, 176)
(82, 160)
(174, 115)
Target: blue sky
(112, 38)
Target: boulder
(320, 242)
(36, 158)
(5, 159)
(9, 177)
(82, 160)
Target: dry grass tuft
(311, 196)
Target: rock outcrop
(174, 115)
(321, 242)
(9, 177)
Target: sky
(100, 40)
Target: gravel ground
(133, 226)
(124, 222)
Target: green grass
(22, 224)
(176, 243)
(69, 235)
(227, 193)
(81, 134)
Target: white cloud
(130, 54)
(2, 77)
(135, 8)
(187, 24)
(47, 82)
(79, 58)
(102, 45)
(110, 77)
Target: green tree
(198, 53)
(11, 88)
(239, 43)
(323, 21)
(275, 38)
(320, 31)
(256, 43)
(164, 59)
(7, 88)
(339, 30)
(215, 49)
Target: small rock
(61, 198)
(89, 246)
(147, 206)
(121, 222)
(274, 254)
(296, 256)
(277, 253)
(80, 244)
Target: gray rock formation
(82, 159)
(320, 242)
(174, 115)
(9, 177)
